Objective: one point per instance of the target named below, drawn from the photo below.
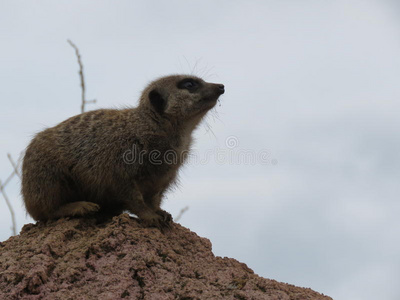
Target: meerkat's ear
(157, 101)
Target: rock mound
(118, 259)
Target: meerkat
(112, 160)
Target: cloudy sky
(312, 97)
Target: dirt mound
(80, 259)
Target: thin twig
(179, 216)
(81, 76)
(14, 223)
(90, 101)
(8, 179)
(15, 166)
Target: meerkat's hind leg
(76, 209)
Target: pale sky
(312, 84)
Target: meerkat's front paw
(151, 220)
(159, 220)
(165, 215)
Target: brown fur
(80, 166)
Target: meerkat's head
(181, 96)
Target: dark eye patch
(189, 84)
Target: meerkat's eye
(189, 84)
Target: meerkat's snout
(212, 91)
(218, 89)
(221, 88)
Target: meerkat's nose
(221, 88)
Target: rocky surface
(118, 259)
